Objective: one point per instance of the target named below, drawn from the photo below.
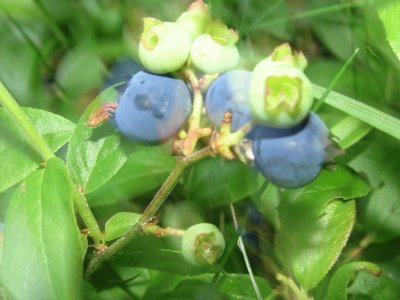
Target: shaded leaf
(157, 259)
(380, 213)
(337, 289)
(215, 182)
(17, 158)
(145, 169)
(42, 255)
(236, 286)
(369, 286)
(119, 224)
(95, 154)
(315, 223)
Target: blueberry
(291, 157)
(229, 92)
(153, 107)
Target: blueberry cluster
(268, 107)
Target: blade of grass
(343, 69)
(307, 14)
(245, 257)
(361, 111)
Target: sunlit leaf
(17, 158)
(119, 224)
(42, 254)
(95, 154)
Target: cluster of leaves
(312, 241)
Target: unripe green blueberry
(202, 244)
(216, 51)
(164, 46)
(280, 94)
(196, 19)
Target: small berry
(196, 19)
(291, 157)
(164, 46)
(202, 244)
(280, 94)
(229, 93)
(216, 51)
(153, 107)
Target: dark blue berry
(229, 93)
(153, 107)
(291, 157)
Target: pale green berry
(216, 51)
(164, 46)
(196, 19)
(202, 244)
(280, 94)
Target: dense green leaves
(94, 156)
(337, 289)
(17, 158)
(119, 224)
(389, 11)
(42, 256)
(315, 223)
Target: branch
(100, 257)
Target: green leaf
(315, 223)
(337, 289)
(145, 170)
(42, 255)
(349, 131)
(119, 224)
(215, 182)
(157, 259)
(17, 159)
(361, 111)
(95, 154)
(389, 11)
(370, 286)
(236, 286)
(380, 213)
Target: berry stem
(158, 231)
(18, 115)
(186, 143)
(151, 210)
(88, 218)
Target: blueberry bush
(200, 150)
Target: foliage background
(56, 56)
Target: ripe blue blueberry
(229, 92)
(294, 156)
(153, 107)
